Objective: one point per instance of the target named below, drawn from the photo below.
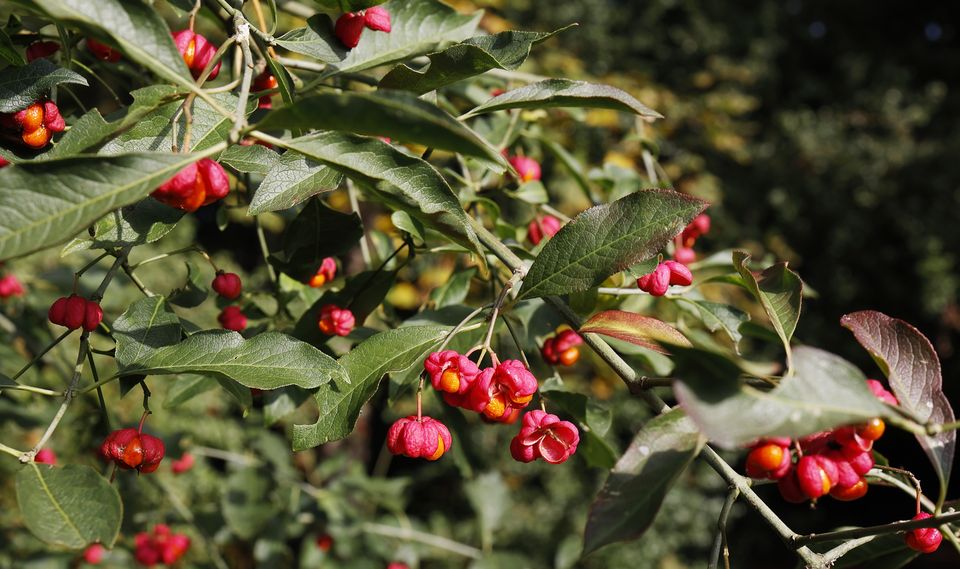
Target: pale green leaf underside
(566, 93)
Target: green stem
(37, 358)
(265, 251)
(895, 527)
(10, 450)
(31, 389)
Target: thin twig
(720, 543)
(424, 538)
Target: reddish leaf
(640, 330)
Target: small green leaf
(194, 291)
(71, 506)
(636, 329)
(316, 40)
(607, 239)
(401, 181)
(67, 195)
(20, 87)
(473, 56)
(86, 132)
(316, 233)
(366, 364)
(825, 391)
(395, 114)
(631, 497)
(780, 292)
(293, 179)
(716, 316)
(566, 93)
(454, 291)
(912, 367)
(253, 159)
(531, 192)
(266, 361)
(8, 52)
(146, 221)
(419, 26)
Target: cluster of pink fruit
(350, 25)
(161, 546)
(332, 320)
(229, 286)
(675, 272)
(73, 312)
(499, 393)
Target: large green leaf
(293, 179)
(316, 233)
(473, 56)
(85, 132)
(780, 292)
(366, 364)
(395, 114)
(8, 52)
(419, 27)
(71, 506)
(716, 316)
(607, 239)
(402, 181)
(252, 159)
(634, 328)
(68, 194)
(135, 27)
(631, 497)
(266, 361)
(824, 392)
(315, 40)
(147, 325)
(912, 367)
(154, 131)
(143, 222)
(21, 86)
(566, 93)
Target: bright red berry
(881, 392)
(4, 162)
(160, 546)
(182, 464)
(324, 542)
(451, 372)
(872, 429)
(74, 312)
(10, 286)
(265, 82)
(545, 436)
(377, 18)
(197, 52)
(849, 493)
(227, 285)
(199, 184)
(684, 255)
(348, 29)
(335, 321)
(699, 226)
(497, 391)
(37, 123)
(397, 565)
(131, 449)
(94, 554)
(768, 460)
(92, 316)
(562, 348)
(789, 488)
(924, 540)
(232, 318)
(423, 437)
(543, 228)
(41, 49)
(325, 274)
(657, 282)
(527, 168)
(45, 456)
(102, 51)
(816, 475)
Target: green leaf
(266, 361)
(395, 114)
(572, 165)
(317, 232)
(68, 194)
(490, 498)
(21, 86)
(247, 504)
(824, 392)
(71, 506)
(316, 40)
(278, 403)
(474, 56)
(147, 324)
(631, 497)
(8, 52)
(185, 388)
(636, 329)
(146, 221)
(402, 181)
(607, 239)
(780, 292)
(531, 192)
(419, 27)
(716, 316)
(134, 27)
(912, 367)
(86, 132)
(153, 132)
(194, 291)
(366, 364)
(293, 179)
(454, 291)
(285, 82)
(566, 93)
(253, 159)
